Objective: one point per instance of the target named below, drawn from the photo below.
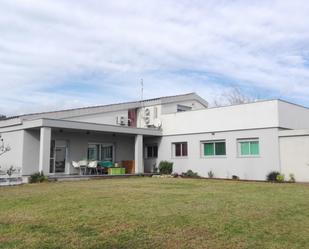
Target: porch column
(138, 154)
(45, 140)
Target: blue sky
(63, 54)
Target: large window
(152, 151)
(213, 148)
(100, 152)
(180, 149)
(248, 147)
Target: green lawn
(155, 213)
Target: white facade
(294, 154)
(181, 129)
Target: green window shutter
(254, 148)
(209, 149)
(220, 148)
(244, 148)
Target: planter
(10, 181)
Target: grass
(155, 213)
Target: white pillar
(138, 154)
(45, 140)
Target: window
(151, 151)
(180, 149)
(214, 148)
(100, 152)
(248, 147)
(183, 108)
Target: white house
(247, 140)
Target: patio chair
(92, 166)
(76, 166)
(83, 164)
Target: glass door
(60, 159)
(58, 155)
(107, 153)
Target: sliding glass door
(101, 152)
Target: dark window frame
(180, 149)
(151, 151)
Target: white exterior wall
(247, 116)
(293, 116)
(101, 118)
(172, 107)
(250, 168)
(13, 157)
(31, 152)
(294, 155)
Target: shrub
(37, 177)
(280, 178)
(211, 174)
(191, 174)
(176, 175)
(292, 178)
(154, 168)
(272, 176)
(235, 177)
(166, 167)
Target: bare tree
(3, 147)
(232, 97)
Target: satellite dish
(157, 123)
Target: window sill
(249, 156)
(213, 157)
(180, 157)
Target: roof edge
(140, 102)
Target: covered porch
(60, 147)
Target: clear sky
(57, 54)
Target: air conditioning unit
(122, 120)
(150, 114)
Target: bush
(272, 176)
(211, 174)
(175, 175)
(280, 178)
(292, 178)
(166, 167)
(37, 177)
(191, 174)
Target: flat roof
(84, 126)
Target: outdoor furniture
(129, 165)
(83, 166)
(116, 171)
(76, 166)
(104, 165)
(92, 166)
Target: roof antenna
(142, 89)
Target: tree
(3, 147)
(233, 97)
(2, 117)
